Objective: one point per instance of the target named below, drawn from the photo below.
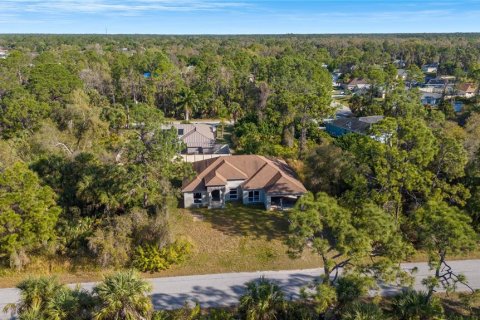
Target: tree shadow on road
(210, 297)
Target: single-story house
(437, 83)
(199, 139)
(466, 90)
(3, 53)
(357, 84)
(336, 79)
(431, 99)
(250, 179)
(342, 126)
(430, 68)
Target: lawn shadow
(239, 220)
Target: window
(197, 197)
(254, 196)
(180, 132)
(233, 194)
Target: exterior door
(216, 195)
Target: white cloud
(111, 6)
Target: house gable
(243, 174)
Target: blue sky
(238, 16)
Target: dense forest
(86, 171)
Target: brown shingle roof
(467, 87)
(275, 176)
(215, 179)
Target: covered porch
(216, 197)
(281, 201)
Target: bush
(263, 299)
(299, 311)
(351, 287)
(324, 298)
(218, 314)
(151, 258)
(185, 313)
(417, 305)
(363, 311)
(47, 298)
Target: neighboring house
(250, 179)
(431, 99)
(336, 79)
(430, 68)
(200, 140)
(342, 126)
(436, 83)
(3, 53)
(439, 85)
(357, 84)
(466, 90)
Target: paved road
(224, 289)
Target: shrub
(352, 287)
(123, 295)
(363, 311)
(185, 313)
(151, 258)
(324, 298)
(299, 311)
(218, 314)
(263, 300)
(417, 305)
(46, 298)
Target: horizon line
(240, 34)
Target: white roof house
(3, 53)
(199, 139)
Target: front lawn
(235, 239)
(224, 240)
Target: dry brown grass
(236, 239)
(224, 240)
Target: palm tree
(47, 299)
(419, 305)
(71, 304)
(363, 311)
(123, 295)
(263, 300)
(36, 297)
(187, 100)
